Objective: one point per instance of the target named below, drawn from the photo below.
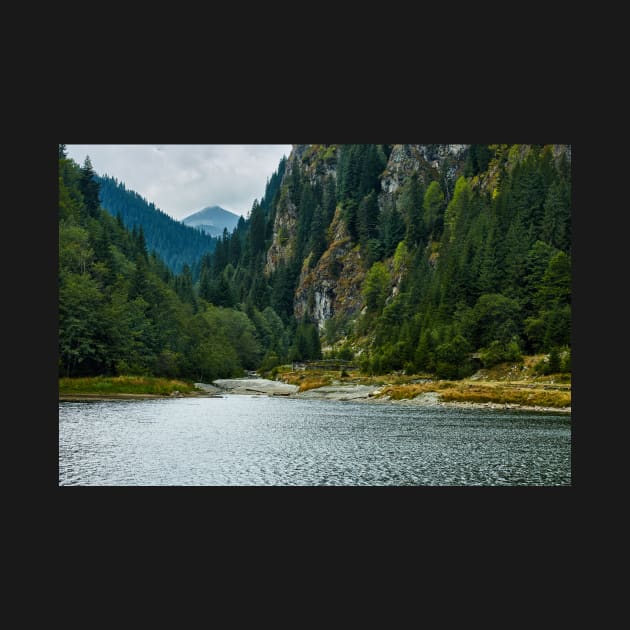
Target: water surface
(256, 440)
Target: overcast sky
(183, 178)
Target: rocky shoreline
(357, 393)
(337, 392)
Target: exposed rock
(282, 246)
(340, 392)
(211, 390)
(406, 159)
(333, 286)
(255, 386)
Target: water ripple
(243, 440)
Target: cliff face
(333, 286)
(315, 162)
(406, 159)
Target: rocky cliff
(332, 287)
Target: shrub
(498, 352)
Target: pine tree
(89, 187)
(317, 241)
(433, 206)
(410, 205)
(556, 223)
(367, 219)
(256, 229)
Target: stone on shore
(339, 392)
(255, 386)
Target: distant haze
(213, 220)
(181, 179)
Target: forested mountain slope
(122, 311)
(431, 259)
(175, 243)
(415, 257)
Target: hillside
(423, 258)
(213, 220)
(431, 260)
(123, 312)
(176, 244)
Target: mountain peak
(212, 220)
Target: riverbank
(473, 393)
(124, 388)
(462, 394)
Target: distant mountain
(176, 244)
(213, 220)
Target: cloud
(182, 179)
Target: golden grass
(313, 383)
(525, 396)
(500, 385)
(482, 393)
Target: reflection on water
(249, 440)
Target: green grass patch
(104, 385)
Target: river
(258, 441)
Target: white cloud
(181, 179)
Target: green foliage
(452, 359)
(410, 206)
(477, 270)
(494, 318)
(89, 187)
(376, 287)
(122, 311)
(456, 209)
(175, 243)
(102, 385)
(270, 361)
(557, 361)
(345, 353)
(401, 257)
(498, 352)
(306, 343)
(433, 207)
(478, 158)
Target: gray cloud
(181, 179)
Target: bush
(446, 370)
(270, 361)
(554, 362)
(345, 353)
(498, 352)
(364, 364)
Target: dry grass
(502, 384)
(530, 396)
(309, 380)
(526, 396)
(403, 392)
(313, 383)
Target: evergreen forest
(427, 259)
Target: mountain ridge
(177, 244)
(212, 220)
